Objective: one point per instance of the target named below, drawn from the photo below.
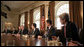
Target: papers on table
(54, 43)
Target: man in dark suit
(6, 31)
(36, 31)
(14, 31)
(19, 30)
(51, 31)
(23, 31)
(69, 30)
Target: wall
(82, 12)
(14, 14)
(36, 5)
(11, 17)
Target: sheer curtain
(22, 19)
(36, 17)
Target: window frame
(57, 6)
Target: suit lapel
(50, 29)
(34, 32)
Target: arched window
(22, 19)
(36, 17)
(61, 7)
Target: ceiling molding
(33, 6)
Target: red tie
(65, 31)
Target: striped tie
(65, 31)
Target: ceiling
(18, 5)
(21, 6)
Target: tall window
(61, 7)
(36, 17)
(28, 20)
(22, 19)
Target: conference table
(12, 40)
(26, 40)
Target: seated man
(19, 30)
(69, 30)
(51, 31)
(36, 31)
(23, 31)
(14, 31)
(6, 31)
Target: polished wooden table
(13, 40)
(21, 41)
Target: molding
(33, 6)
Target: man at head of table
(69, 30)
(51, 30)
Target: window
(22, 19)
(61, 7)
(36, 17)
(28, 20)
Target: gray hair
(64, 16)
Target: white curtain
(22, 19)
(36, 17)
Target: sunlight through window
(62, 9)
(36, 17)
(22, 19)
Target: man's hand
(54, 37)
(33, 36)
(18, 36)
(39, 37)
(72, 44)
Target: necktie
(6, 31)
(65, 31)
(13, 32)
(47, 31)
(22, 32)
(19, 32)
(33, 33)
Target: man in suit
(14, 31)
(6, 31)
(51, 31)
(23, 31)
(19, 29)
(69, 30)
(36, 31)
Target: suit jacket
(71, 32)
(51, 32)
(8, 31)
(25, 31)
(36, 32)
(14, 32)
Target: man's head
(22, 27)
(33, 25)
(64, 18)
(19, 27)
(48, 22)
